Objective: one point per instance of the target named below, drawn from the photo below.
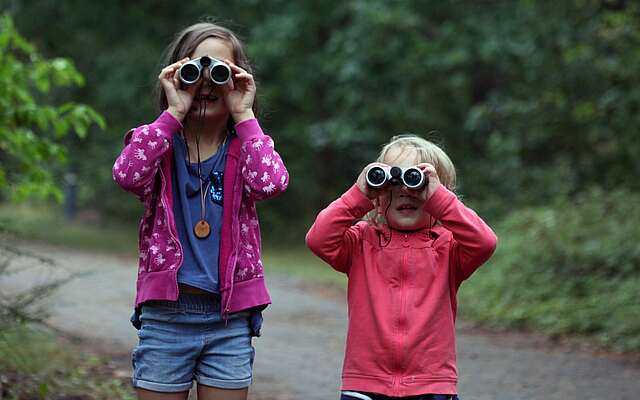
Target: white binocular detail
(412, 177)
(219, 72)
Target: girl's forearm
(333, 237)
(475, 240)
(145, 146)
(263, 170)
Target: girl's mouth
(201, 101)
(209, 97)
(406, 208)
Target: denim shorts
(183, 340)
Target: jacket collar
(433, 232)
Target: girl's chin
(213, 112)
(407, 225)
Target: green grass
(47, 224)
(34, 364)
(302, 263)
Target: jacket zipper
(401, 319)
(233, 256)
(169, 225)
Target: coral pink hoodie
(401, 291)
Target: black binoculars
(412, 177)
(219, 72)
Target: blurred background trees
(531, 99)
(536, 102)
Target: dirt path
(300, 353)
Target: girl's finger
(230, 86)
(176, 78)
(234, 67)
(170, 69)
(166, 73)
(427, 168)
(178, 63)
(244, 76)
(167, 86)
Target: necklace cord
(203, 204)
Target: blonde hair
(427, 152)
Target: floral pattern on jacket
(253, 171)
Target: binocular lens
(220, 73)
(376, 177)
(413, 178)
(189, 73)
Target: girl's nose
(206, 77)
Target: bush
(35, 364)
(569, 268)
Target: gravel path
(300, 352)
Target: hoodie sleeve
(333, 237)
(473, 240)
(263, 170)
(138, 163)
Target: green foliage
(33, 362)
(569, 267)
(29, 131)
(36, 365)
(48, 225)
(533, 100)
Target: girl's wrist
(243, 116)
(176, 114)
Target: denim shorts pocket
(159, 326)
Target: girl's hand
(179, 100)
(239, 93)
(431, 174)
(368, 191)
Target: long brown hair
(185, 44)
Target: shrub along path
(300, 352)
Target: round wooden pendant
(202, 230)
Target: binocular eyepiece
(219, 72)
(412, 177)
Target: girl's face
(403, 208)
(210, 96)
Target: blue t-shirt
(200, 264)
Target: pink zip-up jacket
(253, 171)
(401, 291)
